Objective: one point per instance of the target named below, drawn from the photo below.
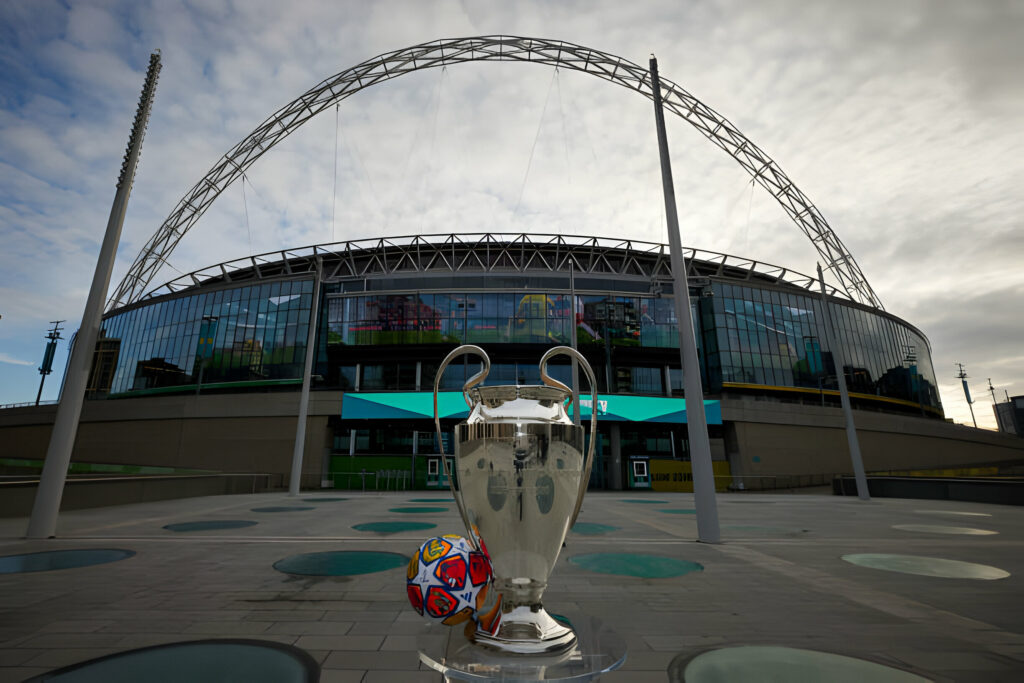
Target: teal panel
(402, 404)
(450, 404)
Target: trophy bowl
(522, 474)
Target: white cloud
(5, 358)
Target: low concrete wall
(997, 491)
(17, 497)
(780, 445)
(242, 433)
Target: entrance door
(641, 476)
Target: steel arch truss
(559, 54)
(487, 252)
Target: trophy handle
(470, 383)
(548, 380)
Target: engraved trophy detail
(522, 474)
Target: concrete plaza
(776, 579)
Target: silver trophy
(522, 475)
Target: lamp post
(204, 349)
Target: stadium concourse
(811, 571)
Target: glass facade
(756, 336)
(751, 336)
(251, 333)
(500, 318)
(773, 338)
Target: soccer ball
(447, 580)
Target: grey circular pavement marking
(926, 566)
(952, 530)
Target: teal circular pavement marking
(590, 529)
(282, 508)
(322, 500)
(628, 564)
(340, 563)
(927, 566)
(435, 501)
(210, 525)
(643, 501)
(60, 559)
(768, 663)
(393, 527)
(417, 510)
(679, 512)
(952, 530)
(195, 662)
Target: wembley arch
(279, 125)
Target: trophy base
(596, 651)
(525, 631)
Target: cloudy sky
(900, 119)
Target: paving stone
(373, 661)
(320, 628)
(392, 676)
(787, 588)
(57, 658)
(346, 676)
(351, 642)
(228, 628)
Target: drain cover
(340, 563)
(927, 566)
(208, 661)
(768, 663)
(393, 527)
(60, 559)
(628, 564)
(590, 529)
(282, 508)
(210, 525)
(679, 512)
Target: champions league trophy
(522, 475)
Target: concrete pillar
(614, 436)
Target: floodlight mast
(43, 523)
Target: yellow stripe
(829, 392)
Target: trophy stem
(528, 631)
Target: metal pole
(300, 430)
(43, 523)
(697, 426)
(576, 410)
(967, 393)
(51, 347)
(199, 381)
(844, 396)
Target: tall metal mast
(46, 367)
(832, 339)
(962, 376)
(43, 523)
(696, 421)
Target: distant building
(1010, 415)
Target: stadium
(205, 373)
